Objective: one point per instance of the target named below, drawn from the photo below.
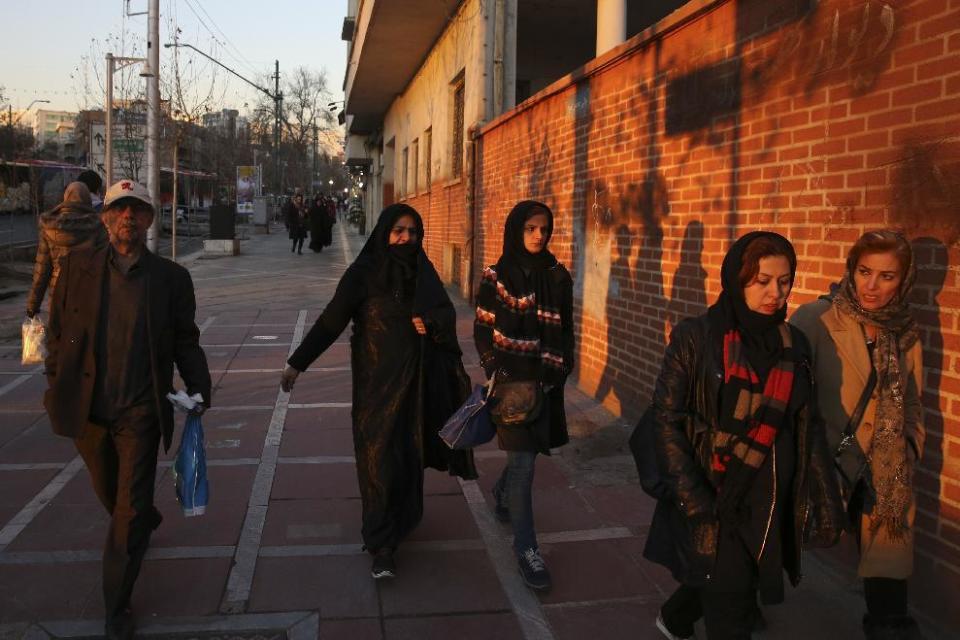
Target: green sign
(128, 145)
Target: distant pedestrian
(120, 319)
(95, 184)
(864, 330)
(741, 450)
(408, 378)
(295, 213)
(319, 224)
(70, 226)
(524, 332)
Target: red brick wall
(818, 123)
(442, 210)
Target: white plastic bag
(34, 341)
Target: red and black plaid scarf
(750, 417)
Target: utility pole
(153, 119)
(314, 176)
(277, 119)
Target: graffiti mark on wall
(840, 37)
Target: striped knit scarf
(524, 316)
(750, 417)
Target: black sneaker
(500, 510)
(534, 570)
(119, 626)
(383, 565)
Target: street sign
(128, 145)
(98, 147)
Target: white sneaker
(662, 626)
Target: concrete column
(611, 24)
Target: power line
(240, 61)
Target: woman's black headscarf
(523, 273)
(401, 269)
(759, 331)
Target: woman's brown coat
(842, 366)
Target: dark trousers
(727, 603)
(514, 488)
(886, 598)
(122, 460)
(297, 245)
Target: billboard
(248, 186)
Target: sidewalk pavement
(278, 553)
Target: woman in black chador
(408, 377)
(320, 235)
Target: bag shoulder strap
(857, 416)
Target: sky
(43, 42)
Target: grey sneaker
(534, 570)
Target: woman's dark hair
(882, 241)
(764, 247)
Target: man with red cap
(120, 318)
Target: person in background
(295, 214)
(71, 225)
(864, 330)
(120, 319)
(523, 331)
(95, 184)
(741, 449)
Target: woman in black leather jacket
(741, 449)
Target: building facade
(819, 120)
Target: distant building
(56, 128)
(226, 121)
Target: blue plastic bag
(470, 425)
(190, 469)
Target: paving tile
(560, 510)
(28, 395)
(19, 488)
(26, 590)
(220, 525)
(609, 621)
(37, 443)
(434, 582)
(446, 518)
(180, 588)
(624, 505)
(278, 317)
(364, 629)
(219, 357)
(440, 483)
(314, 419)
(247, 389)
(315, 481)
(293, 522)
(317, 442)
(78, 491)
(337, 586)
(226, 335)
(336, 355)
(502, 626)
(272, 357)
(595, 570)
(13, 424)
(64, 527)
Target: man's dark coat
(173, 338)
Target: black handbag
(850, 459)
(515, 403)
